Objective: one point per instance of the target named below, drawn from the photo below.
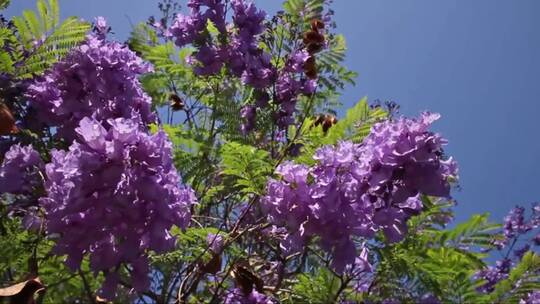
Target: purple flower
(520, 252)
(532, 298)
(190, 29)
(247, 19)
(296, 61)
(97, 79)
(493, 274)
(406, 148)
(287, 203)
(214, 12)
(515, 225)
(101, 28)
(359, 189)
(20, 170)
(185, 29)
(361, 271)
(215, 241)
(429, 298)
(121, 185)
(237, 296)
(535, 217)
(246, 59)
(209, 60)
(258, 71)
(393, 223)
(309, 86)
(248, 115)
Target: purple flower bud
(101, 28)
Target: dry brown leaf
(7, 121)
(22, 293)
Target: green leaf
(211, 28)
(293, 7)
(58, 44)
(354, 126)
(10, 50)
(477, 231)
(34, 27)
(4, 4)
(247, 166)
(526, 273)
(44, 39)
(318, 287)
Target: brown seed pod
(7, 121)
(245, 279)
(313, 37)
(329, 121)
(333, 120)
(316, 24)
(319, 119)
(310, 68)
(177, 104)
(314, 48)
(213, 265)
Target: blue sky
(475, 62)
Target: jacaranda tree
(202, 161)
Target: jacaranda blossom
(237, 296)
(97, 79)
(20, 170)
(360, 189)
(113, 196)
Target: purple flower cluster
(248, 60)
(290, 85)
(359, 189)
(237, 296)
(114, 195)
(20, 170)
(493, 274)
(248, 114)
(532, 298)
(192, 29)
(239, 50)
(515, 224)
(242, 53)
(21, 176)
(98, 79)
(515, 227)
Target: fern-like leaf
(58, 44)
(4, 4)
(247, 166)
(523, 279)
